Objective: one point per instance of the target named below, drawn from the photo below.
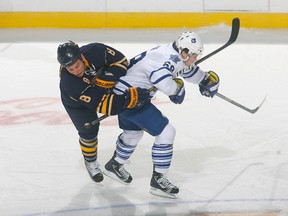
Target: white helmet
(190, 41)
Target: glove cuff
(133, 96)
(210, 78)
(103, 83)
(205, 80)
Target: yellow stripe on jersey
(102, 105)
(105, 106)
(110, 104)
(122, 63)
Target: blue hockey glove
(209, 85)
(179, 95)
(136, 97)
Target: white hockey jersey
(157, 67)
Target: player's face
(77, 69)
(191, 59)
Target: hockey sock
(123, 150)
(89, 148)
(162, 156)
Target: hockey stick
(96, 121)
(240, 105)
(252, 111)
(232, 39)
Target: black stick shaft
(232, 39)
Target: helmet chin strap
(185, 59)
(188, 66)
(185, 56)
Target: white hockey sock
(162, 156)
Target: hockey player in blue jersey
(158, 69)
(87, 75)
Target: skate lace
(165, 182)
(124, 172)
(93, 167)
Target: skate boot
(161, 186)
(94, 171)
(117, 171)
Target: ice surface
(225, 159)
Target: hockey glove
(103, 83)
(108, 76)
(104, 78)
(179, 95)
(209, 85)
(136, 97)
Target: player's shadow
(95, 199)
(119, 205)
(161, 208)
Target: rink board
(138, 20)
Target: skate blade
(161, 193)
(114, 177)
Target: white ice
(226, 160)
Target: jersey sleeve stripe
(111, 98)
(190, 73)
(120, 63)
(101, 104)
(125, 83)
(161, 78)
(106, 104)
(118, 90)
(159, 69)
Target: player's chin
(79, 74)
(187, 63)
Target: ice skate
(161, 186)
(94, 171)
(117, 171)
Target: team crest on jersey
(174, 58)
(90, 72)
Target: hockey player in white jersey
(158, 69)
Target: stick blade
(252, 111)
(257, 108)
(235, 29)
